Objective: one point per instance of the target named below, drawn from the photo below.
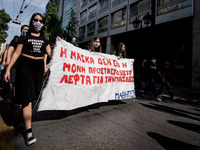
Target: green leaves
(53, 23)
(4, 19)
(73, 23)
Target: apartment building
(172, 35)
(65, 7)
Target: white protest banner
(79, 78)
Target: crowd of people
(150, 73)
(24, 61)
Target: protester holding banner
(73, 41)
(120, 50)
(30, 70)
(95, 45)
(80, 78)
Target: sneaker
(173, 98)
(29, 138)
(158, 99)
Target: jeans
(154, 88)
(168, 87)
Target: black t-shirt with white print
(33, 45)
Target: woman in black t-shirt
(30, 70)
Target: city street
(136, 61)
(137, 124)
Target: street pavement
(134, 124)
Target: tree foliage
(71, 26)
(73, 23)
(52, 22)
(4, 19)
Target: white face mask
(153, 61)
(96, 44)
(122, 50)
(37, 25)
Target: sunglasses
(36, 20)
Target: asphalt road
(138, 124)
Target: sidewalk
(182, 94)
(6, 131)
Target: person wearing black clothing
(166, 73)
(142, 75)
(12, 47)
(30, 70)
(13, 44)
(154, 73)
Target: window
(139, 9)
(166, 6)
(91, 29)
(92, 11)
(119, 15)
(119, 18)
(134, 10)
(164, 2)
(82, 30)
(83, 3)
(144, 6)
(116, 2)
(93, 8)
(83, 16)
(103, 4)
(81, 33)
(103, 24)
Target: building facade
(172, 35)
(65, 10)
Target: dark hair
(91, 45)
(31, 28)
(118, 50)
(23, 27)
(73, 37)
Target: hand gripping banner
(79, 78)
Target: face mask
(37, 26)
(73, 42)
(24, 33)
(153, 61)
(96, 44)
(122, 50)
